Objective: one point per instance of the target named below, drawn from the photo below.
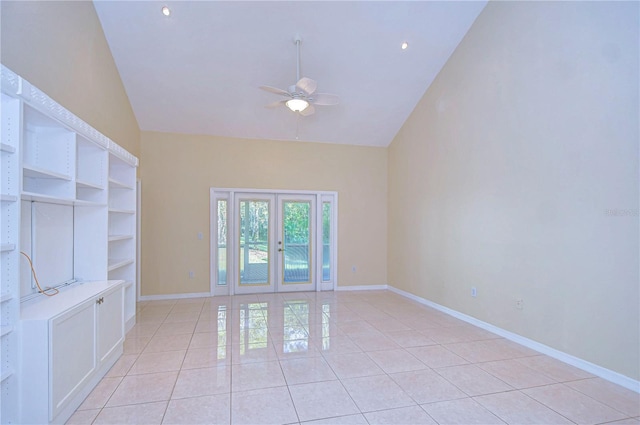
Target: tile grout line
(230, 354)
(166, 409)
(295, 409)
(345, 389)
(548, 407)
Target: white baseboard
(362, 288)
(129, 324)
(174, 296)
(594, 369)
(207, 294)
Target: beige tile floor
(337, 358)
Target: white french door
(271, 241)
(254, 243)
(296, 232)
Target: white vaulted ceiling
(198, 70)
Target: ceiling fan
(301, 97)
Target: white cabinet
(110, 332)
(69, 342)
(73, 355)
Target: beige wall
(177, 172)
(502, 177)
(59, 47)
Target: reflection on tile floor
(337, 358)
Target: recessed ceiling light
(166, 11)
(404, 45)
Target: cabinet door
(110, 323)
(73, 356)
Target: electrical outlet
(474, 292)
(191, 274)
(519, 304)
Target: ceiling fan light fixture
(404, 45)
(297, 105)
(166, 11)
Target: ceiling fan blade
(276, 91)
(275, 104)
(325, 99)
(307, 85)
(309, 110)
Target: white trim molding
(13, 83)
(362, 288)
(174, 296)
(604, 373)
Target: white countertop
(44, 308)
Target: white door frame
(138, 282)
(232, 271)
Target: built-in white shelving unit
(122, 228)
(11, 118)
(60, 178)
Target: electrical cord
(33, 271)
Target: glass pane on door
(296, 224)
(326, 241)
(222, 242)
(254, 242)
